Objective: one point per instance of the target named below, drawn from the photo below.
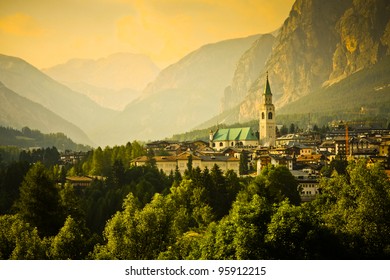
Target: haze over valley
(126, 96)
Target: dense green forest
(141, 213)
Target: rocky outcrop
(322, 42)
(250, 65)
(363, 37)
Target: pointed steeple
(267, 88)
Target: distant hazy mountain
(17, 112)
(106, 97)
(112, 81)
(29, 82)
(183, 95)
(319, 44)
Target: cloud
(20, 24)
(169, 29)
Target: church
(244, 136)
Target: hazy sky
(50, 32)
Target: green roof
(234, 134)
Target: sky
(50, 32)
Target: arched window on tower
(262, 115)
(270, 115)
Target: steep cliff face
(363, 37)
(322, 42)
(250, 65)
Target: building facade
(169, 164)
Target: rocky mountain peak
(322, 42)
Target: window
(220, 144)
(270, 115)
(262, 115)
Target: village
(246, 152)
(304, 154)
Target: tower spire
(267, 88)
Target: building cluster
(304, 154)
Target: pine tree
(39, 201)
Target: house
(308, 185)
(225, 163)
(340, 145)
(79, 181)
(284, 160)
(275, 159)
(289, 140)
(328, 146)
(306, 151)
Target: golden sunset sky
(50, 32)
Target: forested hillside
(32, 138)
(141, 213)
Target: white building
(168, 164)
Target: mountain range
(182, 95)
(112, 81)
(328, 56)
(18, 112)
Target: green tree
(38, 203)
(356, 207)
(97, 162)
(297, 232)
(185, 248)
(240, 235)
(51, 156)
(136, 233)
(189, 166)
(11, 178)
(118, 175)
(277, 184)
(218, 193)
(177, 175)
(20, 241)
(292, 128)
(71, 242)
(283, 130)
(137, 150)
(244, 163)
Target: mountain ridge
(18, 112)
(29, 82)
(111, 81)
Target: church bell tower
(267, 124)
